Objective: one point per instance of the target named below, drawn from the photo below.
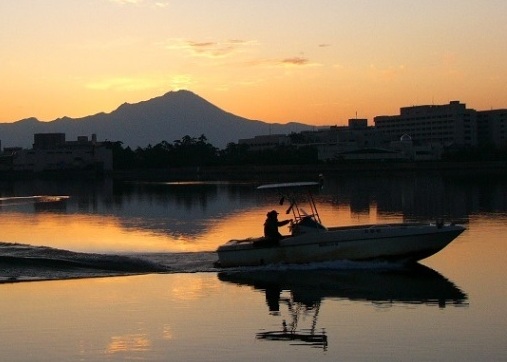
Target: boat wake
(23, 262)
(20, 200)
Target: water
(159, 296)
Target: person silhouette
(271, 226)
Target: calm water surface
(450, 307)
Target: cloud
(209, 49)
(127, 2)
(155, 3)
(224, 49)
(161, 4)
(181, 81)
(285, 62)
(295, 61)
(129, 84)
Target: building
(46, 141)
(357, 142)
(416, 152)
(447, 125)
(417, 133)
(51, 152)
(492, 128)
(265, 142)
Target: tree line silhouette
(192, 151)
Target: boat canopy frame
(292, 192)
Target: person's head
(272, 214)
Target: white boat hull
(392, 242)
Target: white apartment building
(446, 125)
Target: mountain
(166, 118)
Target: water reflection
(129, 343)
(409, 197)
(199, 216)
(307, 289)
(291, 332)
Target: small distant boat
(311, 241)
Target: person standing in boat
(271, 226)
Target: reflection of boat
(414, 284)
(310, 241)
(292, 333)
(411, 284)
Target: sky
(319, 62)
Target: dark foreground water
(128, 274)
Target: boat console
(306, 224)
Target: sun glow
(398, 56)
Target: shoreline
(249, 172)
(280, 172)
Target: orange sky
(317, 62)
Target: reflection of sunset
(248, 223)
(167, 333)
(340, 215)
(79, 233)
(483, 243)
(191, 311)
(104, 233)
(129, 343)
(186, 288)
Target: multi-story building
(52, 152)
(355, 141)
(265, 142)
(446, 125)
(417, 133)
(492, 128)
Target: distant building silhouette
(492, 128)
(417, 133)
(46, 141)
(355, 142)
(264, 142)
(51, 152)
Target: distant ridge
(165, 118)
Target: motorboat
(311, 241)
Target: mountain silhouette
(166, 118)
